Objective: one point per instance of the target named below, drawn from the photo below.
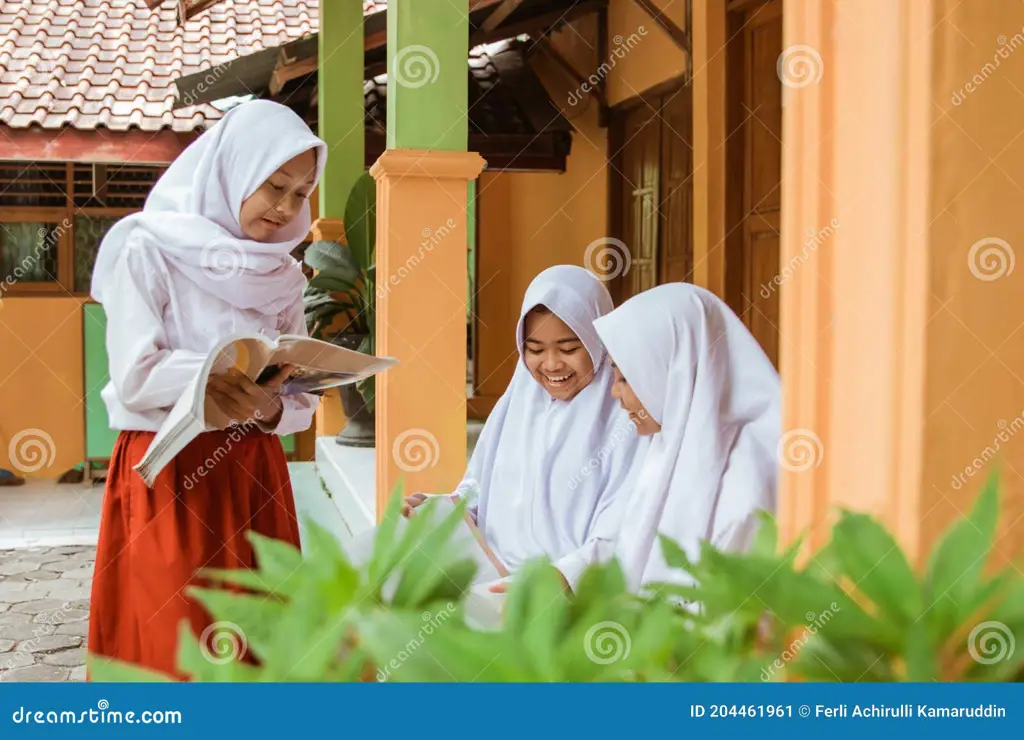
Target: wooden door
(637, 170)
(755, 112)
(675, 245)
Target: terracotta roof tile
(112, 63)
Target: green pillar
(340, 101)
(428, 76)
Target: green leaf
(108, 670)
(361, 219)
(333, 283)
(873, 560)
(326, 255)
(956, 564)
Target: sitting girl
(694, 379)
(553, 460)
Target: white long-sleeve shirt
(157, 339)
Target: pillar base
(327, 230)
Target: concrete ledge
(348, 473)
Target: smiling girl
(209, 255)
(553, 460)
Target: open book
(483, 608)
(317, 365)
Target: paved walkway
(44, 612)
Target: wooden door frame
(736, 143)
(616, 120)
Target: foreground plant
(856, 612)
(859, 612)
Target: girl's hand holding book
(244, 401)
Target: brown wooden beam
(541, 24)
(499, 14)
(283, 74)
(681, 38)
(549, 48)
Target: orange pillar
(901, 337)
(421, 318)
(422, 237)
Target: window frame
(65, 267)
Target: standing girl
(209, 255)
(693, 379)
(552, 465)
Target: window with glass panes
(53, 216)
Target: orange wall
(974, 390)
(648, 58)
(530, 221)
(41, 376)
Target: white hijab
(191, 215)
(549, 472)
(704, 378)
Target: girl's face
(645, 423)
(279, 199)
(555, 356)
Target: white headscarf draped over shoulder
(191, 215)
(697, 370)
(549, 472)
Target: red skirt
(152, 541)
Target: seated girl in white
(553, 460)
(693, 378)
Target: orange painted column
(901, 337)
(421, 318)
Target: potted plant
(340, 303)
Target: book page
(312, 354)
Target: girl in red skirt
(209, 255)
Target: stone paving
(44, 612)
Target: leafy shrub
(857, 611)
